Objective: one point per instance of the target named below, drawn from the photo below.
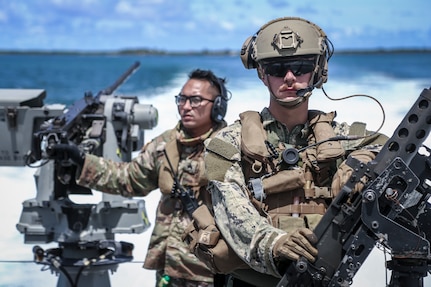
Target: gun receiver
(392, 209)
(83, 115)
(187, 198)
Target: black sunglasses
(297, 67)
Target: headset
(248, 51)
(219, 108)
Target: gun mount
(105, 125)
(393, 209)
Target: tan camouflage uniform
(167, 253)
(246, 231)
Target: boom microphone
(307, 90)
(303, 92)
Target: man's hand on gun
(344, 171)
(66, 152)
(296, 244)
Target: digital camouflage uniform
(249, 231)
(167, 253)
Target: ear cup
(220, 103)
(219, 109)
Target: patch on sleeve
(218, 158)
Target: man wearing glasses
(202, 105)
(272, 174)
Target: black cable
(31, 261)
(78, 275)
(16, 261)
(57, 265)
(366, 96)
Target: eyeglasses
(297, 67)
(195, 101)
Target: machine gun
(392, 209)
(105, 125)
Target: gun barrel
(121, 79)
(66, 122)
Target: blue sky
(184, 25)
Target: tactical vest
(186, 157)
(189, 178)
(278, 191)
(291, 195)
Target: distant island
(225, 52)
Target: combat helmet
(289, 37)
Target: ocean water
(395, 80)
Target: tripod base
(85, 264)
(95, 276)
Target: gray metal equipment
(105, 125)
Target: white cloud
(227, 25)
(189, 25)
(194, 24)
(3, 16)
(352, 31)
(113, 25)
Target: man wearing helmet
(272, 174)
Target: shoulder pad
(221, 148)
(253, 136)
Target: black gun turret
(392, 209)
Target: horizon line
(134, 51)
